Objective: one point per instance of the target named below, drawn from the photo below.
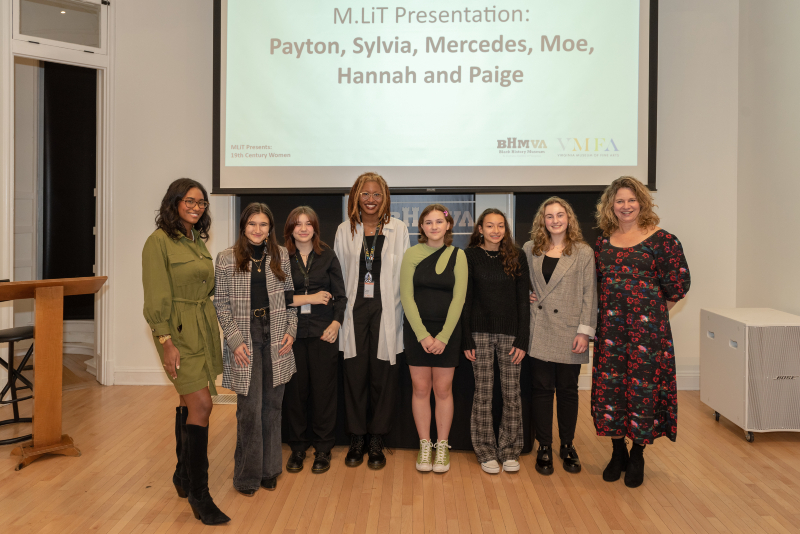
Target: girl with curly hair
(642, 274)
(178, 280)
(563, 318)
(496, 321)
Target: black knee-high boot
(634, 476)
(179, 478)
(197, 467)
(619, 461)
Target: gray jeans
(258, 415)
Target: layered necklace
(259, 263)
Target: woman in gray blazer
(563, 318)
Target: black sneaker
(322, 462)
(355, 456)
(295, 462)
(376, 457)
(544, 460)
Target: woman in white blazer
(370, 247)
(563, 318)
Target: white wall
(163, 128)
(697, 147)
(162, 131)
(769, 136)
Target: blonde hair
(541, 235)
(353, 210)
(607, 220)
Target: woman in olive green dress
(178, 279)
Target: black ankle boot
(376, 457)
(322, 462)
(179, 478)
(572, 463)
(295, 462)
(355, 456)
(619, 461)
(634, 476)
(544, 460)
(197, 467)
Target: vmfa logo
(566, 144)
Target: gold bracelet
(163, 339)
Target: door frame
(104, 250)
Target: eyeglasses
(190, 203)
(365, 196)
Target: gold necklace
(259, 262)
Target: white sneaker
(511, 466)
(424, 455)
(442, 462)
(491, 467)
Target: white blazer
(349, 250)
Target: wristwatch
(163, 339)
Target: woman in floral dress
(642, 273)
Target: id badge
(305, 308)
(369, 290)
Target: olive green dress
(178, 279)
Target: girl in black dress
(433, 285)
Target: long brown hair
(509, 254)
(448, 235)
(241, 249)
(607, 220)
(353, 207)
(541, 235)
(291, 222)
(167, 217)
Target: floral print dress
(634, 393)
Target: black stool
(10, 336)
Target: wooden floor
(711, 480)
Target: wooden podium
(48, 334)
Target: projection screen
(452, 95)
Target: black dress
(433, 294)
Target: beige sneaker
(442, 462)
(424, 456)
(511, 466)
(491, 467)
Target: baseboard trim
(140, 377)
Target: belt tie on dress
(200, 309)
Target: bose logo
(787, 377)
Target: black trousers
(561, 379)
(316, 377)
(368, 381)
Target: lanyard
(304, 270)
(369, 253)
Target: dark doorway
(69, 176)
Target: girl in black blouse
(320, 294)
(496, 320)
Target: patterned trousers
(510, 443)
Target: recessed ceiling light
(63, 12)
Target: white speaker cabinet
(750, 368)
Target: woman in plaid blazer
(254, 282)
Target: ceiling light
(63, 12)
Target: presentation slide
(451, 93)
